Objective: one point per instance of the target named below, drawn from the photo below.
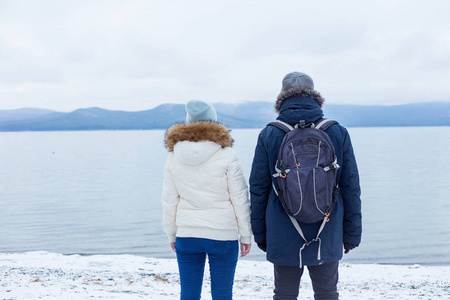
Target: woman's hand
(172, 245)
(245, 249)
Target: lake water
(98, 192)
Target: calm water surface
(98, 192)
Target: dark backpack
(306, 174)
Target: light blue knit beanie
(199, 110)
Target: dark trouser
(324, 281)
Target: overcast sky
(135, 55)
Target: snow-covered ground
(46, 275)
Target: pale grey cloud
(337, 38)
(138, 54)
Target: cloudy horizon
(136, 55)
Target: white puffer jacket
(205, 194)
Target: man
(273, 230)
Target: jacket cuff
(172, 238)
(260, 238)
(245, 240)
(356, 240)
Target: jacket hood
(298, 108)
(298, 91)
(195, 143)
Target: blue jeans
(324, 280)
(222, 257)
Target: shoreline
(57, 276)
(253, 258)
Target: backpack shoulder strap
(281, 125)
(324, 124)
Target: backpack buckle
(302, 124)
(280, 173)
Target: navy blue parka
(271, 224)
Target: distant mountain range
(244, 115)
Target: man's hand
(348, 247)
(245, 249)
(172, 245)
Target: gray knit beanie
(297, 79)
(199, 110)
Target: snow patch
(55, 276)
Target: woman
(205, 202)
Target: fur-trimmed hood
(195, 143)
(298, 91)
(197, 132)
